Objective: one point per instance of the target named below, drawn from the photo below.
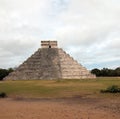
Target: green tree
(5, 72)
(106, 72)
(96, 71)
(117, 71)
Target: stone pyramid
(50, 62)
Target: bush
(3, 95)
(111, 89)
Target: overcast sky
(89, 30)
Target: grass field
(58, 88)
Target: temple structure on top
(48, 44)
(50, 62)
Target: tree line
(106, 72)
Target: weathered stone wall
(44, 64)
(71, 69)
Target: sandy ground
(65, 108)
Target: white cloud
(87, 29)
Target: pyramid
(50, 62)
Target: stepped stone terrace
(50, 62)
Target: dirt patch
(62, 108)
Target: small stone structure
(50, 62)
(48, 44)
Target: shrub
(111, 89)
(3, 95)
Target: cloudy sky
(89, 30)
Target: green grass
(58, 88)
